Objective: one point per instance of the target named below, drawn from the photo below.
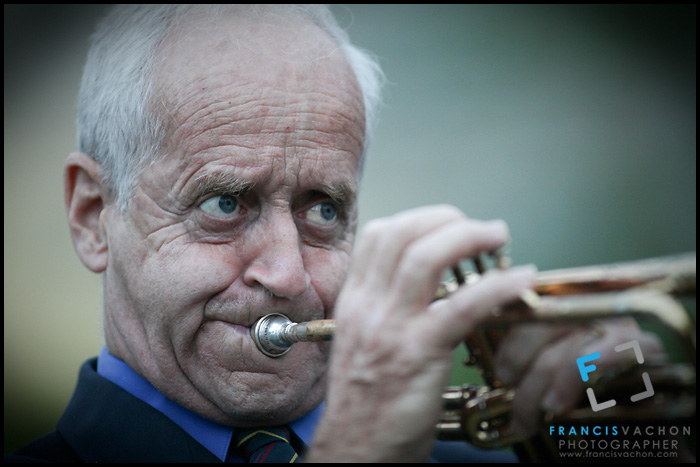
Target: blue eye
(220, 205)
(322, 213)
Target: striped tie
(258, 445)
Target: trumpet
(275, 333)
(650, 290)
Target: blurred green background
(576, 124)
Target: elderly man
(220, 159)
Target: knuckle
(418, 258)
(449, 210)
(375, 229)
(550, 360)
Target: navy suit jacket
(104, 423)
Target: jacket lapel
(104, 423)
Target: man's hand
(392, 348)
(539, 360)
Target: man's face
(251, 211)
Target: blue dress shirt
(213, 436)
(216, 438)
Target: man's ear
(85, 198)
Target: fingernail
(525, 272)
(526, 269)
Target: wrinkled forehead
(258, 89)
(250, 47)
(249, 33)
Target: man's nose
(277, 263)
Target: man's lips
(243, 330)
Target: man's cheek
(328, 275)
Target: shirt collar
(213, 436)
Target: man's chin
(249, 399)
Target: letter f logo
(584, 370)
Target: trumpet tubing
(674, 275)
(646, 290)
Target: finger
(562, 396)
(456, 316)
(424, 260)
(383, 241)
(553, 382)
(555, 362)
(521, 345)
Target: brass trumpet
(650, 290)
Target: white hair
(117, 125)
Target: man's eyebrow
(221, 183)
(227, 183)
(341, 193)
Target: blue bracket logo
(585, 369)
